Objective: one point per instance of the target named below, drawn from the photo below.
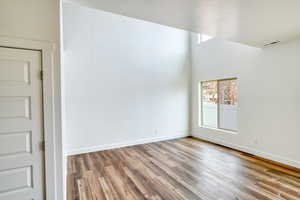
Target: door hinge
(42, 146)
(42, 74)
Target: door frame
(51, 111)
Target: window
(219, 104)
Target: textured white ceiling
(252, 22)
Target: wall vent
(272, 43)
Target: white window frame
(218, 105)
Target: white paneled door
(21, 125)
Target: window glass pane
(228, 104)
(210, 104)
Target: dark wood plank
(183, 169)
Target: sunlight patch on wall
(203, 38)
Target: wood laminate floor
(186, 168)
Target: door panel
(14, 107)
(15, 179)
(21, 125)
(13, 143)
(14, 72)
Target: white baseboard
(123, 144)
(269, 156)
(65, 173)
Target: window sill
(220, 130)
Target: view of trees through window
(219, 104)
(228, 92)
(210, 92)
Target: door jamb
(52, 113)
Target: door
(21, 125)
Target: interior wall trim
(271, 158)
(124, 144)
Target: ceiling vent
(272, 43)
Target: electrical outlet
(156, 132)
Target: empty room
(157, 100)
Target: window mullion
(201, 93)
(218, 104)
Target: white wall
(268, 96)
(31, 19)
(125, 81)
(37, 20)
